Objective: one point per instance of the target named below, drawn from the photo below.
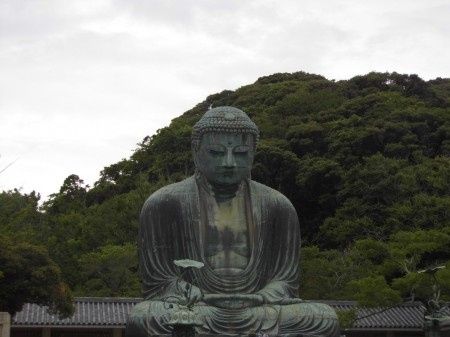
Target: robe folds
(172, 227)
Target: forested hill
(364, 161)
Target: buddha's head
(223, 144)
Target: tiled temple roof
(89, 311)
(113, 312)
(404, 316)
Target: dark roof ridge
(107, 299)
(355, 303)
(330, 302)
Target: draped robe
(173, 228)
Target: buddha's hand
(194, 296)
(184, 293)
(234, 301)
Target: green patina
(246, 235)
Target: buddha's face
(225, 158)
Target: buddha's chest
(227, 236)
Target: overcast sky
(81, 82)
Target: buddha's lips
(228, 173)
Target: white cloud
(84, 81)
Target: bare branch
(7, 166)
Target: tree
(109, 271)
(28, 275)
(71, 196)
(276, 167)
(325, 273)
(19, 215)
(377, 273)
(373, 291)
(413, 251)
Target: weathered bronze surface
(246, 234)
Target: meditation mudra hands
(233, 301)
(225, 301)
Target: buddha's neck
(225, 193)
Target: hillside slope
(364, 161)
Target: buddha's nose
(229, 159)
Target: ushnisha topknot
(224, 119)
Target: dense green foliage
(27, 273)
(364, 161)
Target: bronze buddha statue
(246, 234)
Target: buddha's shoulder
(268, 193)
(172, 192)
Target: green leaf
(186, 263)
